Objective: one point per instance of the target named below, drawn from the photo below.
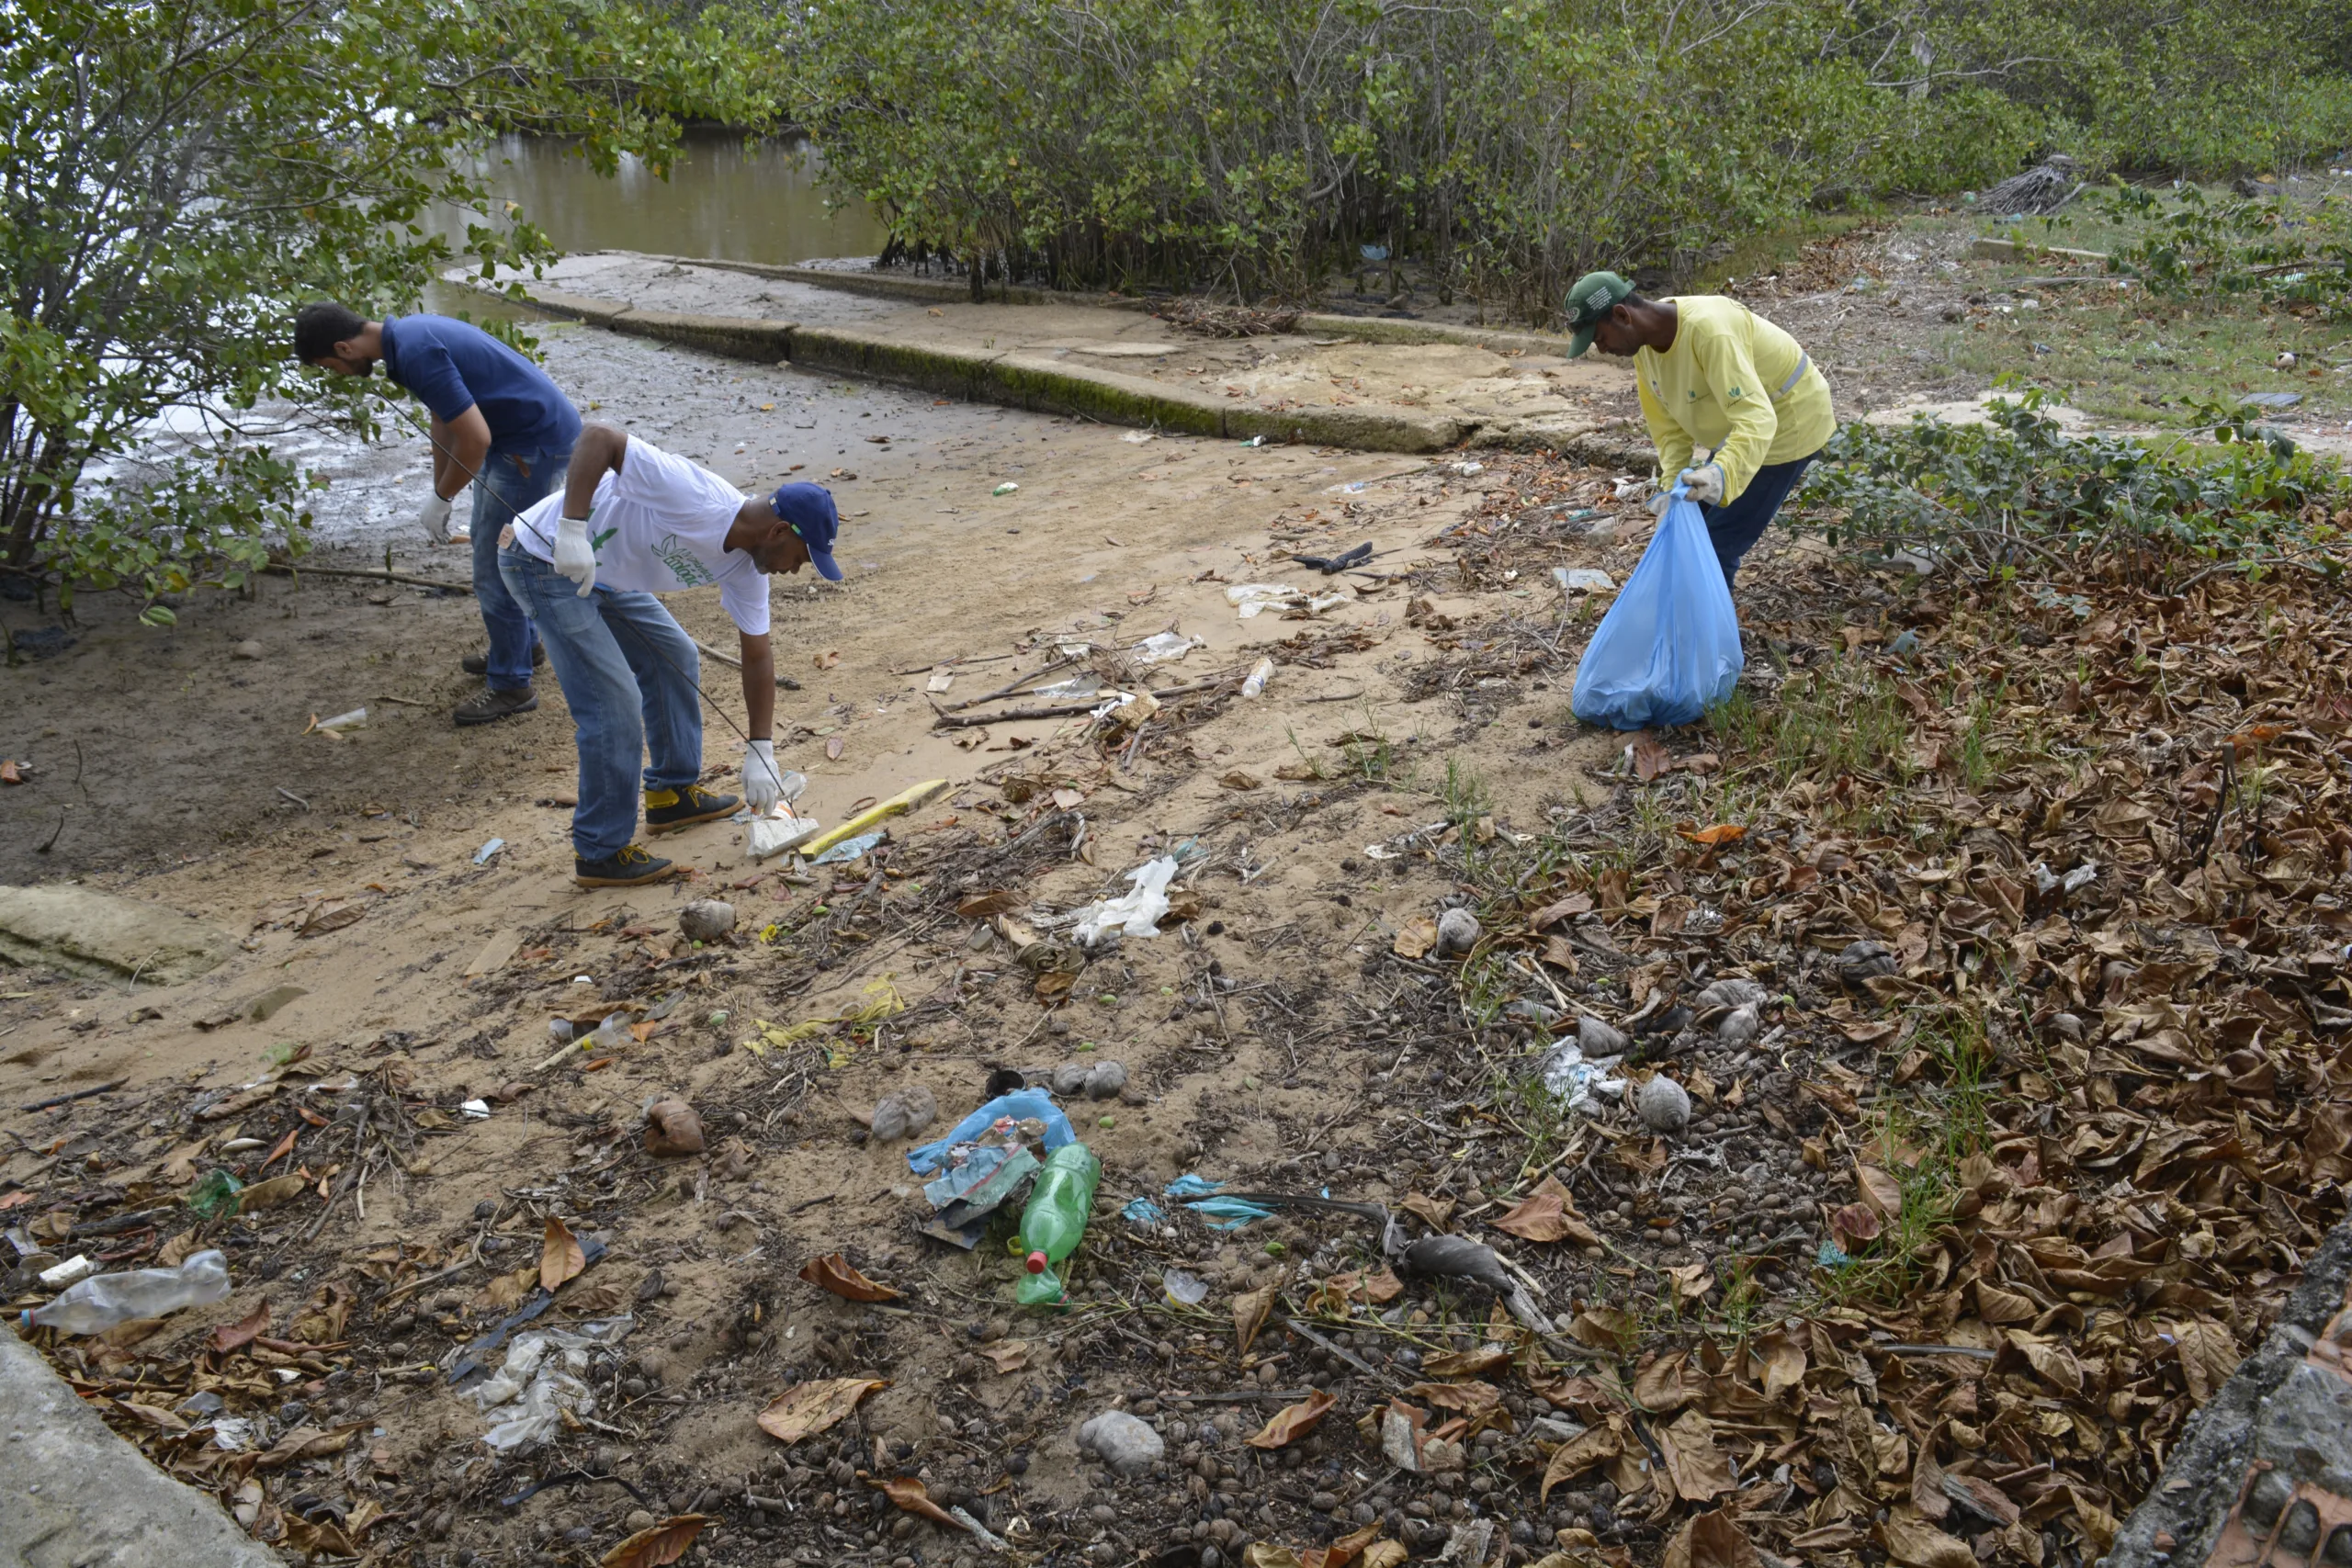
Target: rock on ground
(84, 931)
(1126, 1443)
(73, 1492)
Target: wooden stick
(1006, 691)
(282, 569)
(53, 1101)
(1063, 710)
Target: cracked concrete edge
(2200, 1481)
(73, 1492)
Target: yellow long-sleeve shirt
(1734, 383)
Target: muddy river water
(724, 197)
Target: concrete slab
(1367, 383)
(74, 1496)
(84, 931)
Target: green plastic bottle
(1056, 1219)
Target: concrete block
(738, 337)
(1055, 386)
(74, 1496)
(84, 931)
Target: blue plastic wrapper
(1021, 1102)
(1142, 1211)
(1221, 1213)
(1668, 649)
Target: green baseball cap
(1588, 304)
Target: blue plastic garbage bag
(1021, 1102)
(1668, 649)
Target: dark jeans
(502, 491)
(630, 674)
(1735, 527)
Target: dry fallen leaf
(1880, 1189)
(269, 1194)
(808, 1409)
(1700, 1469)
(829, 659)
(1595, 1445)
(1650, 760)
(657, 1544)
(231, 1336)
(1913, 1542)
(1417, 937)
(1293, 1421)
(832, 1272)
(1250, 1310)
(1565, 908)
(1471, 1363)
(1007, 1355)
(908, 1495)
(1721, 833)
(833, 745)
(1240, 778)
(1712, 1540)
(1548, 1214)
(561, 1256)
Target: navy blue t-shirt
(454, 366)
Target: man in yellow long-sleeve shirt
(1713, 374)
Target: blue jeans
(630, 674)
(1734, 528)
(501, 490)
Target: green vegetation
(2019, 490)
(182, 173)
(1501, 147)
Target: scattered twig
(57, 1099)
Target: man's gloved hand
(763, 785)
(436, 518)
(1705, 483)
(575, 556)
(1658, 502)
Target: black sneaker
(632, 866)
(489, 708)
(478, 663)
(667, 810)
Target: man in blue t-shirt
(498, 423)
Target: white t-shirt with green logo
(659, 525)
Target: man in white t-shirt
(632, 521)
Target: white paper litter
(1132, 913)
(781, 830)
(1583, 580)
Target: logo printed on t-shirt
(689, 571)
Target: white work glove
(1658, 502)
(1705, 483)
(763, 785)
(436, 518)
(575, 556)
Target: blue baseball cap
(809, 510)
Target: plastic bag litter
(927, 1159)
(1162, 647)
(1577, 1084)
(1668, 649)
(1132, 913)
(848, 849)
(1218, 1214)
(1251, 597)
(528, 1395)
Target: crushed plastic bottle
(1255, 685)
(218, 1191)
(1055, 1220)
(102, 1301)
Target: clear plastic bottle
(1256, 684)
(102, 1301)
(1056, 1219)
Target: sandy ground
(164, 766)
